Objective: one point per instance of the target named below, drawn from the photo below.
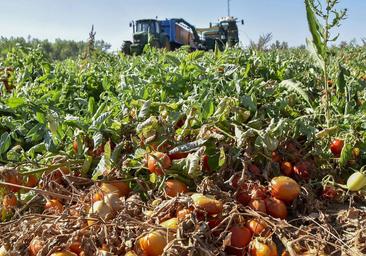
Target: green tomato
(356, 181)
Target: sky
(72, 19)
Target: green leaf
(41, 117)
(341, 79)
(49, 143)
(15, 154)
(91, 105)
(153, 178)
(188, 146)
(107, 157)
(87, 164)
(98, 171)
(39, 148)
(144, 111)
(117, 152)
(208, 109)
(295, 86)
(222, 158)
(15, 102)
(315, 28)
(346, 155)
(97, 139)
(100, 120)
(313, 53)
(5, 142)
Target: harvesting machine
(225, 32)
(169, 34)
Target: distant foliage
(58, 50)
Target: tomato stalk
(54, 166)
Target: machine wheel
(126, 47)
(167, 45)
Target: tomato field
(239, 152)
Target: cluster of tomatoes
(292, 162)
(10, 200)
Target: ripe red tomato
(75, 146)
(10, 201)
(153, 243)
(122, 187)
(208, 204)
(243, 197)
(158, 162)
(257, 226)
(329, 193)
(276, 208)
(276, 157)
(285, 188)
(35, 246)
(75, 247)
(240, 236)
(205, 165)
(54, 205)
(287, 168)
(13, 179)
(31, 181)
(175, 187)
(259, 248)
(336, 147)
(302, 169)
(258, 205)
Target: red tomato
(54, 205)
(35, 246)
(285, 188)
(206, 167)
(258, 192)
(336, 147)
(10, 201)
(276, 208)
(75, 247)
(13, 179)
(258, 205)
(75, 146)
(257, 226)
(158, 162)
(287, 168)
(123, 188)
(259, 248)
(329, 193)
(276, 158)
(240, 236)
(302, 169)
(31, 181)
(153, 243)
(175, 187)
(208, 204)
(243, 197)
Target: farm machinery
(174, 33)
(169, 34)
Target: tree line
(58, 49)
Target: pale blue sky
(72, 19)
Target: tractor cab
(144, 31)
(228, 27)
(224, 32)
(147, 26)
